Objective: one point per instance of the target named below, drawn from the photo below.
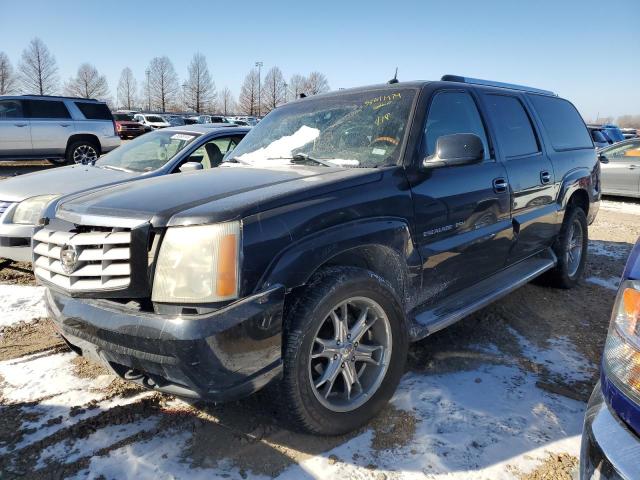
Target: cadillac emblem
(69, 258)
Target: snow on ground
(611, 283)
(20, 303)
(621, 205)
(608, 249)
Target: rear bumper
(610, 451)
(220, 356)
(108, 143)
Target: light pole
(285, 92)
(259, 65)
(148, 91)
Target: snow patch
(611, 283)
(629, 207)
(608, 249)
(283, 147)
(21, 303)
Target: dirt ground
(250, 435)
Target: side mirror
(456, 149)
(191, 167)
(603, 158)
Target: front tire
(571, 250)
(345, 345)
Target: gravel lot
(499, 395)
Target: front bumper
(15, 241)
(610, 451)
(219, 356)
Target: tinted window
(562, 122)
(449, 113)
(123, 117)
(94, 111)
(598, 136)
(513, 127)
(10, 109)
(46, 109)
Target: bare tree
(297, 85)
(273, 90)
(38, 69)
(127, 89)
(248, 99)
(199, 91)
(88, 83)
(629, 121)
(227, 103)
(7, 77)
(316, 83)
(163, 82)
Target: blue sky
(584, 50)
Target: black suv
(342, 227)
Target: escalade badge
(69, 258)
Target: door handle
(64, 125)
(500, 185)
(20, 124)
(633, 167)
(545, 176)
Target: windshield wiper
(236, 160)
(304, 158)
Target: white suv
(59, 129)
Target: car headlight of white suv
(198, 264)
(29, 211)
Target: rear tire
(347, 324)
(82, 152)
(571, 249)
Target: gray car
(165, 151)
(620, 165)
(59, 129)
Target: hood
(64, 180)
(128, 122)
(215, 195)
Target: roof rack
(489, 83)
(61, 97)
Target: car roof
(208, 128)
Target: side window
(94, 111)
(46, 109)
(630, 151)
(513, 127)
(449, 113)
(211, 153)
(10, 109)
(562, 122)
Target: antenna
(395, 78)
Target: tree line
(160, 89)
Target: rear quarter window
(562, 122)
(94, 111)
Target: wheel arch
(77, 137)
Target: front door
(462, 218)
(621, 169)
(530, 173)
(15, 130)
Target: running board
(465, 302)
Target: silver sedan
(620, 164)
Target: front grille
(95, 258)
(4, 206)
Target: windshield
(364, 129)
(123, 117)
(153, 118)
(146, 153)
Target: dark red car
(127, 127)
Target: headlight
(622, 349)
(198, 264)
(28, 211)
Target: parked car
(175, 120)
(599, 137)
(59, 129)
(620, 165)
(23, 198)
(210, 119)
(629, 133)
(126, 126)
(614, 132)
(152, 120)
(341, 227)
(611, 434)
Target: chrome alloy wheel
(84, 154)
(574, 247)
(350, 354)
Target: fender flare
(577, 179)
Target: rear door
(621, 169)
(51, 126)
(529, 171)
(15, 130)
(462, 219)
